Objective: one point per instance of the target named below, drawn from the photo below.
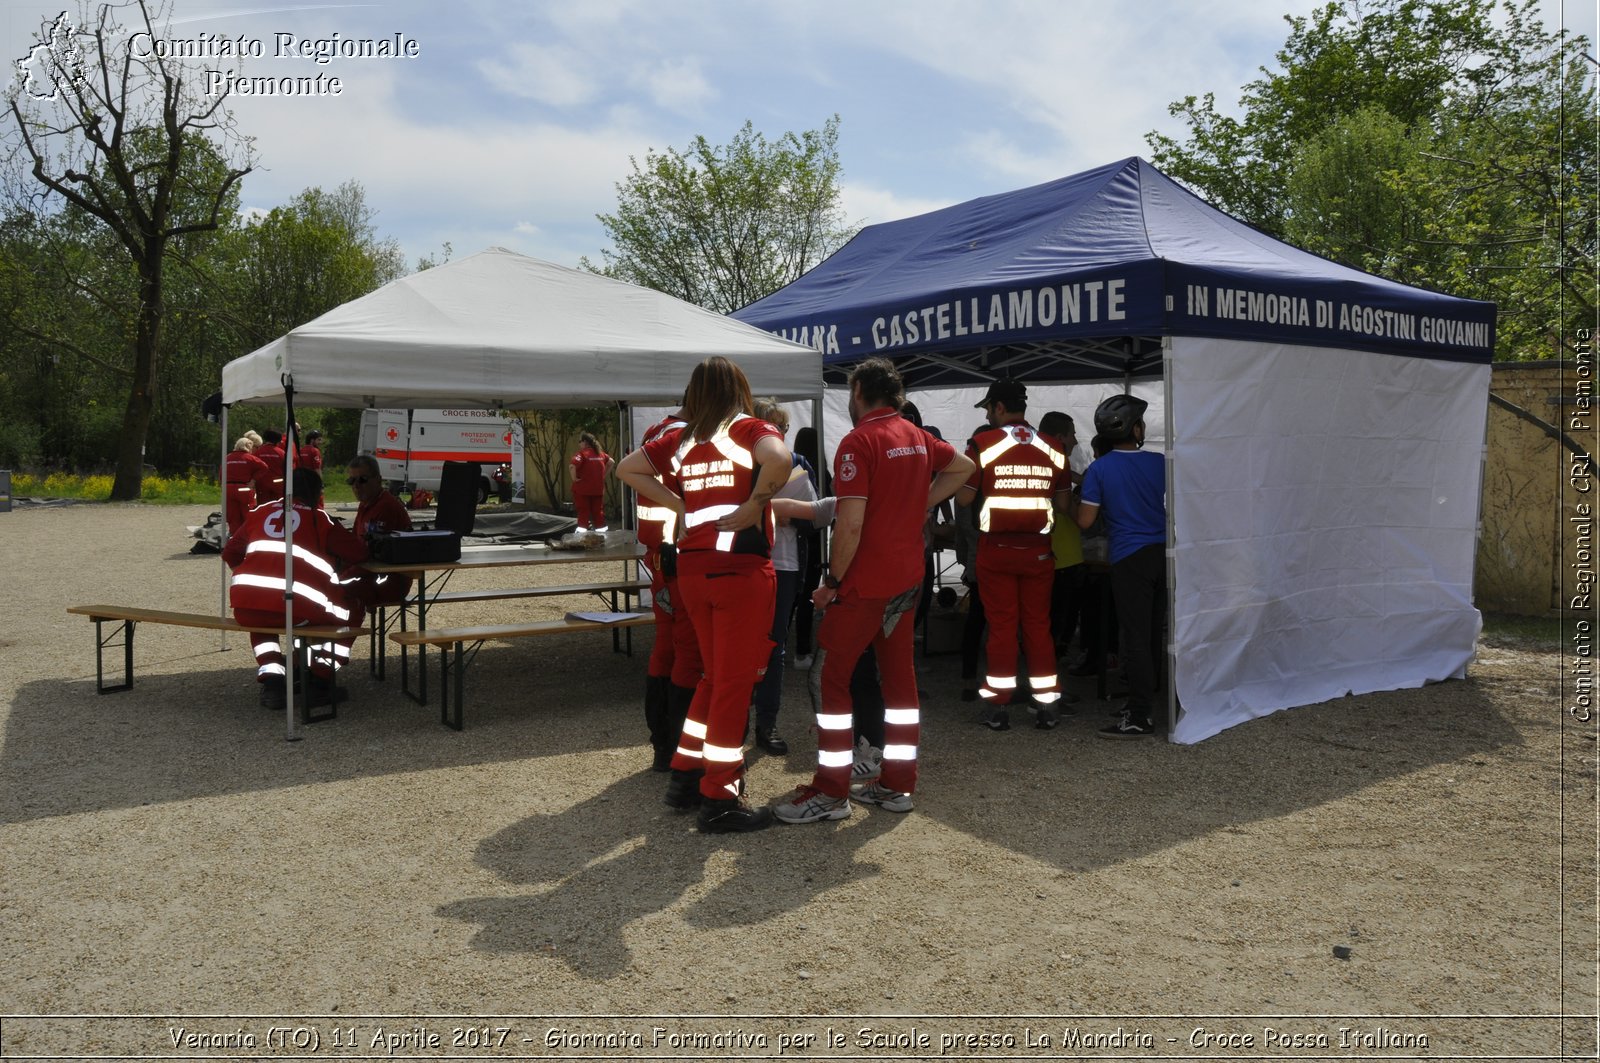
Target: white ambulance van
(412, 446)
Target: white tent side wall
(1326, 506)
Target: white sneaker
(868, 764)
(885, 798)
(807, 804)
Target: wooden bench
(127, 616)
(382, 621)
(451, 710)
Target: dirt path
(166, 851)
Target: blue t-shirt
(1130, 487)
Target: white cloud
(474, 176)
(866, 204)
(677, 85)
(551, 74)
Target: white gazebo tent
(499, 329)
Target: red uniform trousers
(676, 653)
(326, 657)
(848, 627)
(591, 510)
(241, 499)
(1016, 584)
(730, 606)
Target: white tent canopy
(504, 330)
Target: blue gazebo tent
(1325, 427)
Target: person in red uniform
(721, 469)
(377, 512)
(269, 488)
(1025, 481)
(887, 475)
(240, 472)
(309, 456)
(589, 467)
(674, 669)
(322, 546)
(311, 451)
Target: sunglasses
(354, 480)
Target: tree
(723, 226)
(124, 135)
(548, 436)
(1447, 145)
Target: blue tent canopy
(1079, 278)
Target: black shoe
(662, 760)
(996, 719)
(732, 817)
(683, 789)
(272, 693)
(1128, 726)
(768, 738)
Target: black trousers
(1139, 586)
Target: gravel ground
(166, 853)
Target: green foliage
(303, 259)
(192, 488)
(1447, 145)
(722, 226)
(64, 292)
(121, 152)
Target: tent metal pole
(1477, 526)
(222, 476)
(1170, 642)
(629, 515)
(291, 456)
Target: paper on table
(603, 618)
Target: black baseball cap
(1011, 392)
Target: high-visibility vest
(657, 524)
(714, 478)
(1018, 474)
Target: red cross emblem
(393, 435)
(507, 439)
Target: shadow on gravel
(192, 726)
(1062, 797)
(632, 857)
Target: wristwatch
(830, 581)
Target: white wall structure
(1324, 515)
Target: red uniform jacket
(322, 546)
(714, 478)
(1018, 474)
(657, 524)
(269, 485)
(589, 471)
(385, 513)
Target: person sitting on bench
(321, 547)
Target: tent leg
(222, 469)
(1170, 642)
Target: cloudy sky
(513, 122)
